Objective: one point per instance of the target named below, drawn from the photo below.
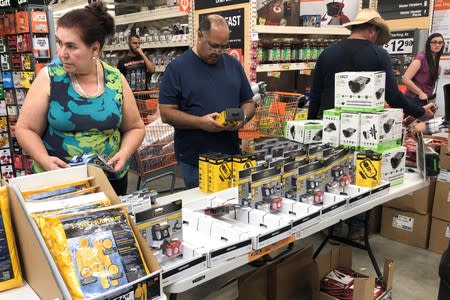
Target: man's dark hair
(133, 35)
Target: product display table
(413, 182)
(194, 199)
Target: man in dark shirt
(136, 66)
(196, 87)
(361, 51)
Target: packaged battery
(231, 117)
(10, 274)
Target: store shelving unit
(298, 30)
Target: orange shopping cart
(272, 110)
(155, 157)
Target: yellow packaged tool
(242, 162)
(95, 250)
(231, 117)
(47, 192)
(203, 172)
(10, 275)
(220, 172)
(368, 169)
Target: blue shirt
(362, 55)
(199, 89)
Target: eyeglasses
(437, 43)
(216, 47)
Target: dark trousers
(444, 274)
(190, 174)
(120, 185)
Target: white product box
(381, 130)
(333, 204)
(350, 129)
(304, 131)
(358, 195)
(360, 91)
(331, 127)
(393, 165)
(193, 261)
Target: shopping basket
(155, 157)
(147, 103)
(271, 113)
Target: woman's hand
(53, 163)
(423, 96)
(118, 161)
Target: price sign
(402, 42)
(127, 296)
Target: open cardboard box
(39, 268)
(342, 257)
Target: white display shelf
(196, 200)
(151, 45)
(285, 67)
(302, 30)
(156, 14)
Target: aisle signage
(403, 9)
(202, 4)
(235, 20)
(402, 42)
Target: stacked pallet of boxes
(407, 219)
(440, 221)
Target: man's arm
(149, 65)
(170, 114)
(249, 108)
(393, 96)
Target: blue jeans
(190, 174)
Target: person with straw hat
(361, 51)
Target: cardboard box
(405, 227)
(420, 201)
(254, 285)
(291, 274)
(39, 268)
(350, 129)
(441, 204)
(439, 235)
(444, 158)
(341, 257)
(360, 91)
(382, 130)
(331, 127)
(393, 165)
(305, 132)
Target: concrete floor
(416, 271)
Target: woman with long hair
(422, 74)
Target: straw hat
(370, 15)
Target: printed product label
(104, 251)
(6, 272)
(403, 222)
(447, 231)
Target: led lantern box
(360, 91)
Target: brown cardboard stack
(440, 224)
(407, 219)
(341, 257)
